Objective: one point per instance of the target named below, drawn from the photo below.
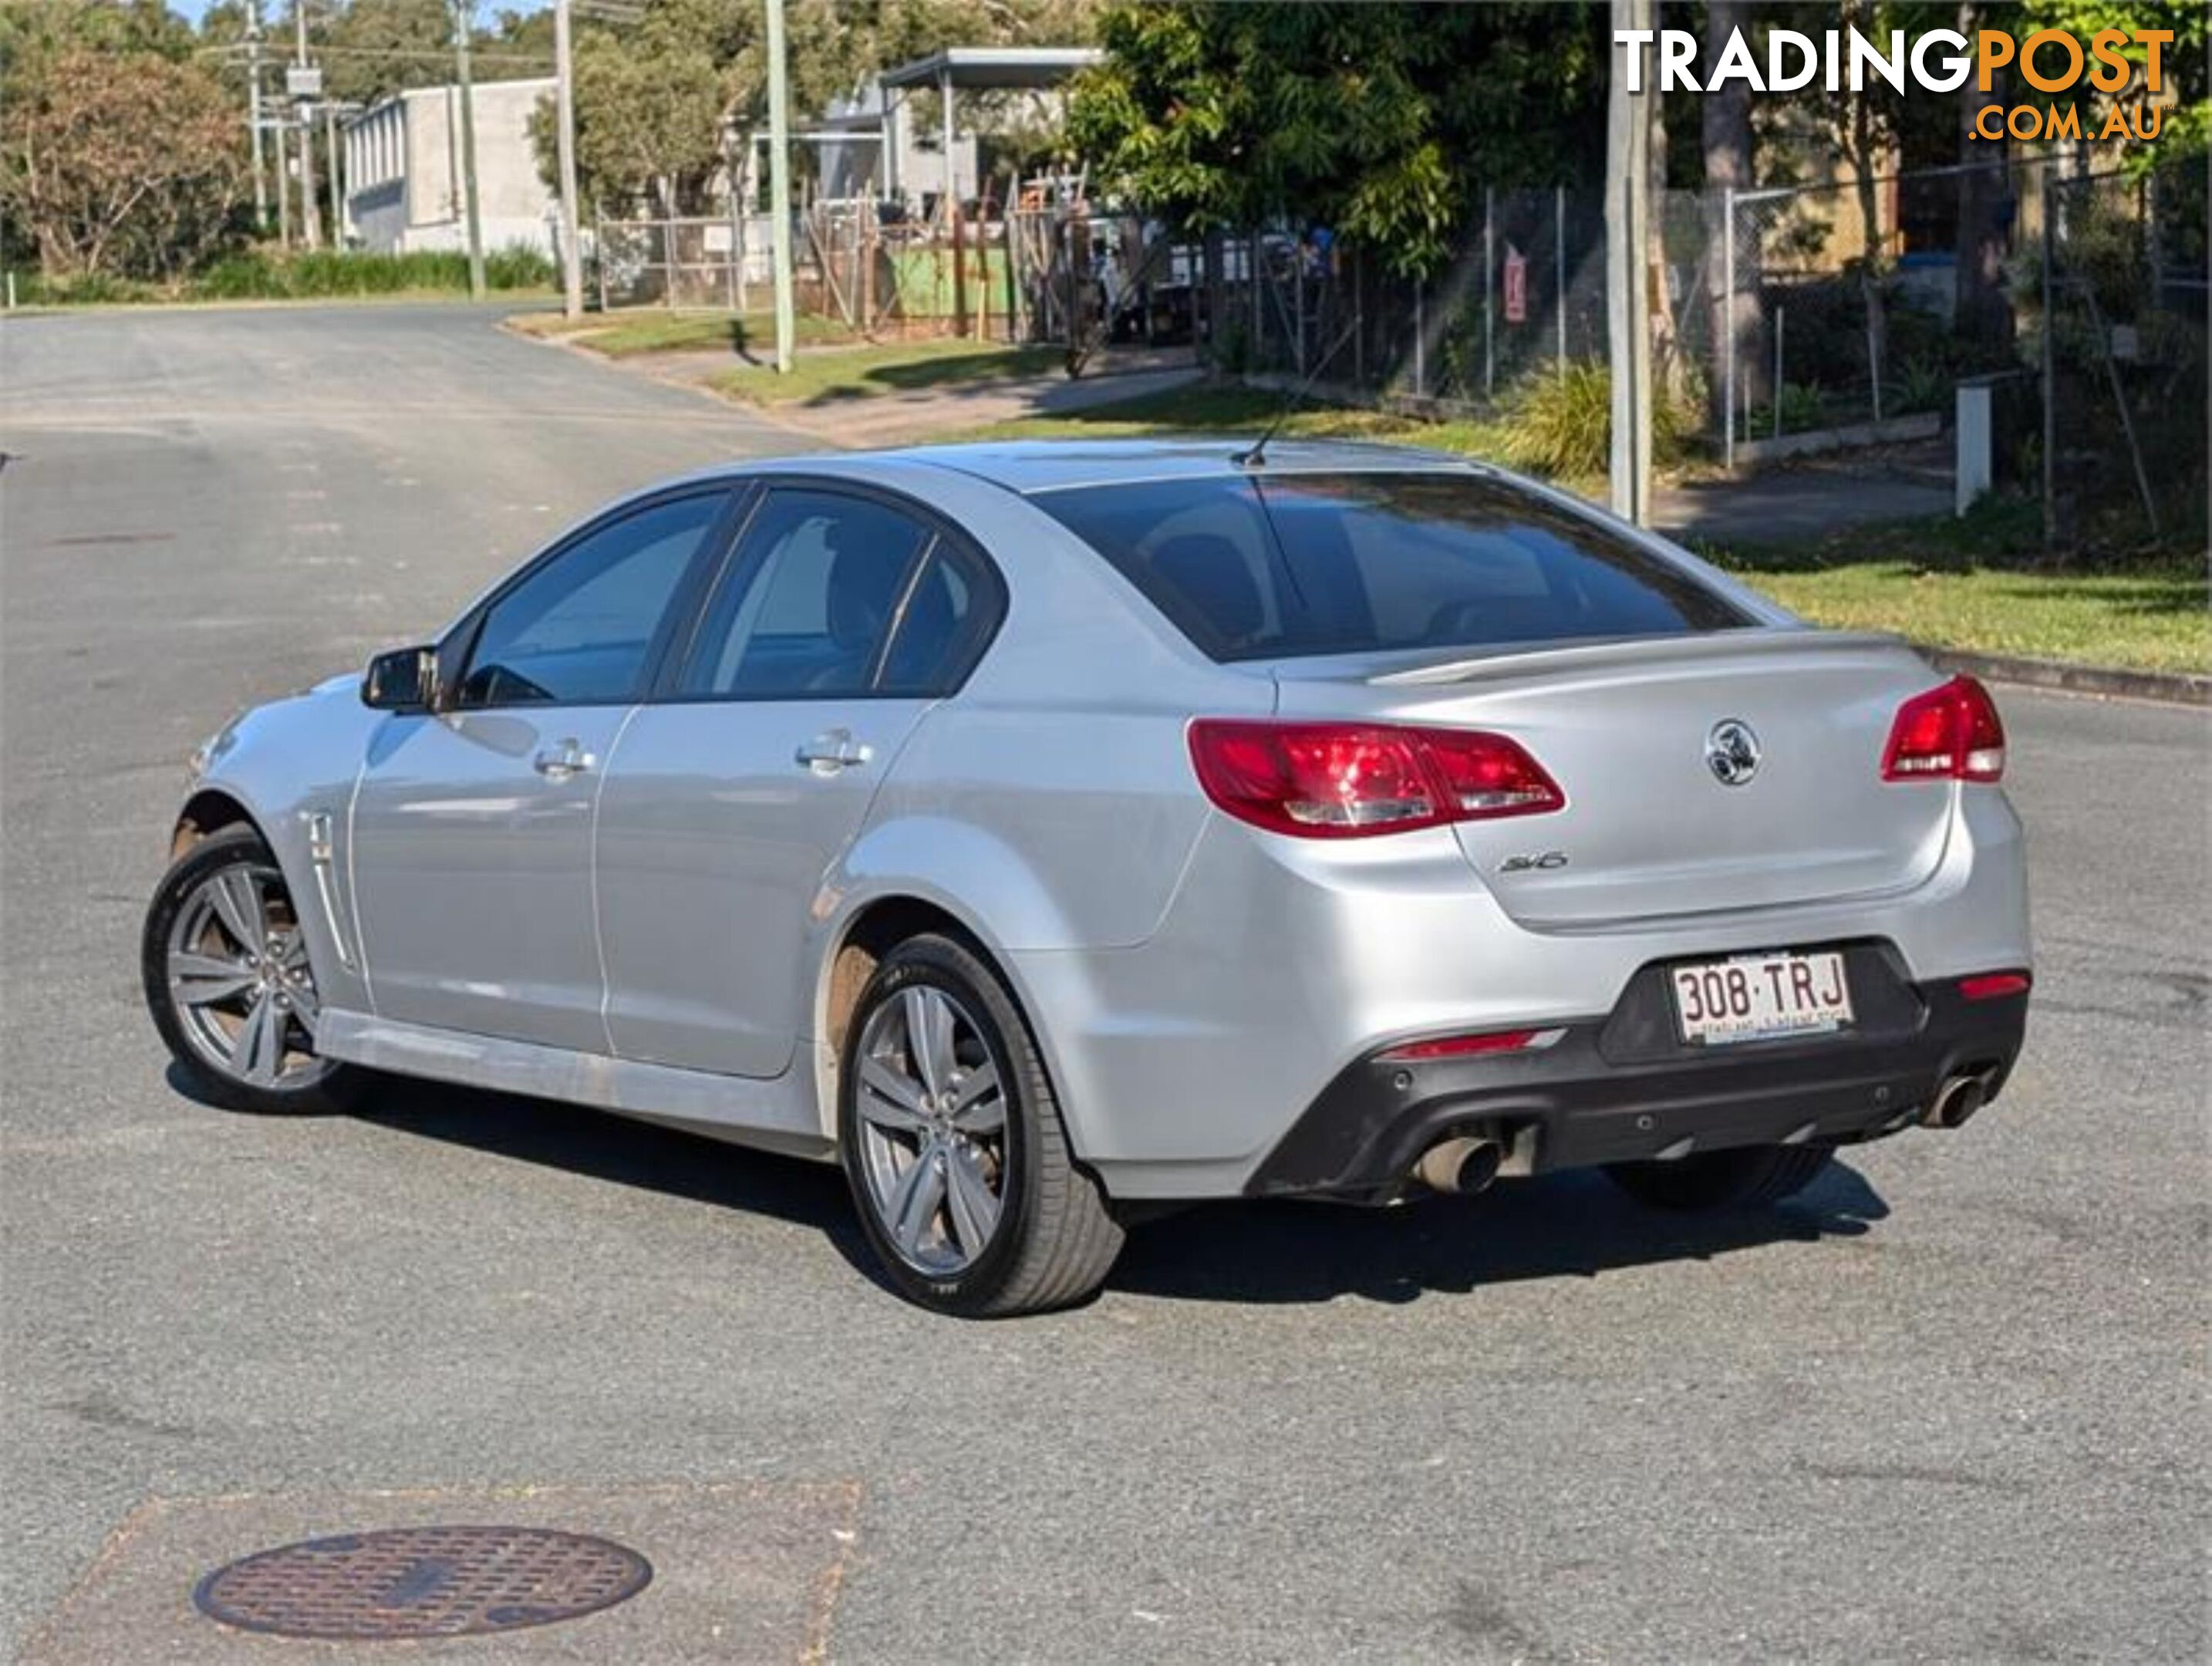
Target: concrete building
(403, 170)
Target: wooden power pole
(572, 262)
(1627, 228)
(461, 10)
(779, 144)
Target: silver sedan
(1052, 833)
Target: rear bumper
(1621, 1088)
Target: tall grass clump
(325, 274)
(1560, 421)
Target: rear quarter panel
(1053, 794)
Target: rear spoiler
(1751, 642)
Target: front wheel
(952, 1141)
(1741, 1178)
(228, 984)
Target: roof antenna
(1257, 456)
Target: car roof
(1043, 465)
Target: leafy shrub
(246, 277)
(84, 289)
(518, 266)
(264, 274)
(1804, 407)
(1923, 387)
(1560, 421)
(260, 274)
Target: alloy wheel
(238, 977)
(933, 1126)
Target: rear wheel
(229, 984)
(952, 1143)
(1742, 1178)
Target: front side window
(810, 601)
(1314, 564)
(579, 629)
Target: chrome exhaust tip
(1460, 1164)
(1956, 1102)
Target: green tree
(375, 48)
(30, 29)
(1382, 120)
(662, 103)
(118, 161)
(2186, 123)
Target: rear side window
(944, 621)
(838, 595)
(818, 582)
(1314, 564)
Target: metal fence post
(1781, 317)
(1728, 333)
(1420, 338)
(1358, 316)
(1559, 275)
(2049, 390)
(1489, 294)
(599, 255)
(738, 248)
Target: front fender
(285, 765)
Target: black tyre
(952, 1142)
(1743, 1178)
(228, 982)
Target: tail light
(1345, 780)
(1948, 733)
(1995, 986)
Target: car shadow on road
(1567, 1225)
(1563, 1225)
(580, 1140)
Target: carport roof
(993, 69)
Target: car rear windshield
(1297, 565)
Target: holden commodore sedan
(1048, 833)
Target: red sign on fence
(1517, 286)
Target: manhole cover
(422, 1581)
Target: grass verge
(261, 274)
(1978, 585)
(888, 368)
(633, 334)
(1232, 409)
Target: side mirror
(404, 680)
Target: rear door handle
(559, 763)
(828, 753)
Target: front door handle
(559, 763)
(828, 753)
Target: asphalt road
(1950, 1405)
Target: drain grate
(420, 1582)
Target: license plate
(1756, 997)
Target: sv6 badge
(1549, 859)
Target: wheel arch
(211, 811)
(870, 930)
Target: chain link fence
(2116, 334)
(1784, 320)
(1796, 319)
(1034, 275)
